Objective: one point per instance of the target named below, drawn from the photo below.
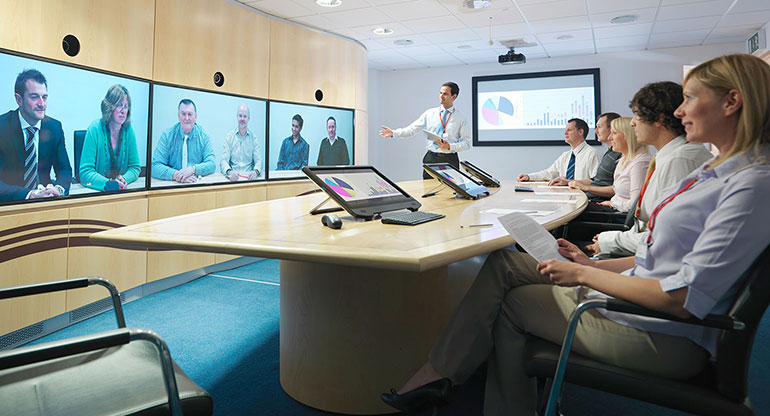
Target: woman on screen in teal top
(110, 160)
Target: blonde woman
(703, 236)
(632, 166)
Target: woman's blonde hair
(623, 125)
(111, 100)
(751, 77)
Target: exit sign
(756, 41)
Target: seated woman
(630, 172)
(703, 236)
(110, 160)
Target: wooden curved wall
(181, 42)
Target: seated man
(184, 151)
(580, 162)
(241, 155)
(599, 188)
(655, 125)
(295, 151)
(333, 149)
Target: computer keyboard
(412, 218)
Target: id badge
(642, 253)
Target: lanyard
(444, 123)
(641, 194)
(654, 215)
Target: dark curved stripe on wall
(86, 242)
(85, 230)
(32, 236)
(96, 222)
(32, 248)
(32, 227)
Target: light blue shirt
(167, 157)
(457, 132)
(705, 239)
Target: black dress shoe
(431, 394)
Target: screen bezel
(546, 74)
(429, 167)
(362, 208)
(485, 177)
(299, 175)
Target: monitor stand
(318, 210)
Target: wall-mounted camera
(71, 45)
(219, 79)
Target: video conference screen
(69, 131)
(533, 108)
(307, 135)
(204, 137)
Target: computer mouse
(331, 221)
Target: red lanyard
(651, 222)
(638, 209)
(444, 123)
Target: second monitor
(462, 184)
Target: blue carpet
(224, 334)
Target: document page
(538, 242)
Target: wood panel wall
(181, 42)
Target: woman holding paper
(702, 237)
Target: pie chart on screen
(340, 187)
(492, 113)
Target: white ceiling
(444, 33)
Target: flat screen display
(201, 137)
(88, 130)
(533, 108)
(306, 135)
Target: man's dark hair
(580, 124)
(610, 116)
(28, 74)
(453, 88)
(330, 118)
(657, 101)
(187, 101)
(300, 121)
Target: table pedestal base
(350, 333)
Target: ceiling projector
(511, 58)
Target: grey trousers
(510, 299)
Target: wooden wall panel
(303, 61)
(362, 138)
(162, 264)
(288, 189)
(124, 268)
(33, 249)
(114, 35)
(362, 80)
(196, 38)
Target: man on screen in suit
(32, 143)
(333, 149)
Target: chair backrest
(734, 347)
(78, 137)
(629, 221)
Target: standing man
(333, 150)
(32, 143)
(580, 162)
(294, 150)
(655, 125)
(184, 151)
(599, 188)
(241, 154)
(446, 122)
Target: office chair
(721, 389)
(582, 230)
(78, 137)
(117, 372)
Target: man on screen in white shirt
(580, 162)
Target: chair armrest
(86, 343)
(603, 226)
(67, 284)
(607, 217)
(711, 320)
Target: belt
(441, 154)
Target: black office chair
(581, 230)
(108, 373)
(719, 390)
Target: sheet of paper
(532, 212)
(538, 242)
(552, 201)
(431, 135)
(540, 193)
(553, 187)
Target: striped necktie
(650, 170)
(571, 167)
(30, 160)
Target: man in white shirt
(655, 125)
(580, 162)
(241, 153)
(448, 123)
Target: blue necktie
(443, 119)
(571, 167)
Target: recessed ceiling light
(403, 42)
(464, 47)
(382, 31)
(476, 4)
(329, 3)
(626, 18)
(564, 37)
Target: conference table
(359, 306)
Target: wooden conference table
(360, 306)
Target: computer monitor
(484, 177)
(362, 191)
(462, 184)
